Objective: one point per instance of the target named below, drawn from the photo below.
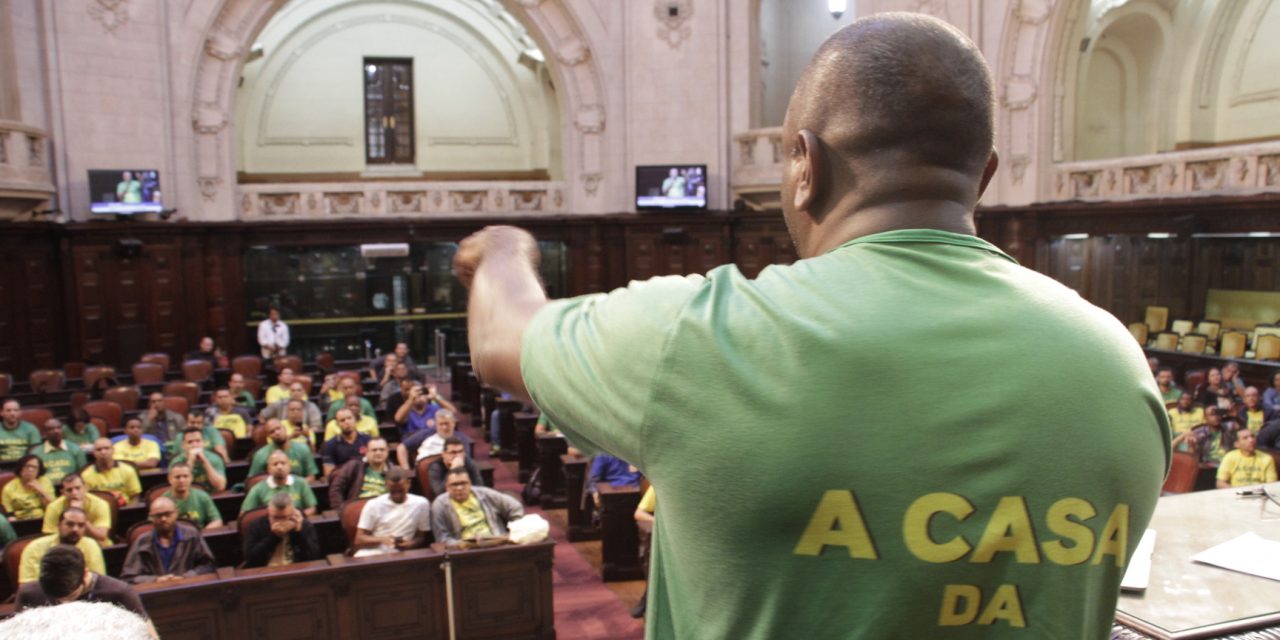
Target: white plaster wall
(1248, 104)
(476, 108)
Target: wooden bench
(551, 470)
(575, 484)
(620, 538)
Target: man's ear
(989, 172)
(808, 167)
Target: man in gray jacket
(172, 549)
(465, 512)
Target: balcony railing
(319, 200)
(25, 179)
(1239, 169)
(757, 168)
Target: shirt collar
(49, 446)
(928, 236)
(271, 482)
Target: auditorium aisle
(585, 608)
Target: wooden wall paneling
(495, 598)
(162, 299)
(401, 601)
(301, 607)
(223, 285)
(91, 294)
(41, 308)
(193, 295)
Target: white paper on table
(1139, 571)
(1247, 553)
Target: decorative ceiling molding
(111, 14)
(672, 17)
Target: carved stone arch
(231, 26)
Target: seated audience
(243, 399)
(298, 426)
(1269, 436)
(348, 445)
(1232, 380)
(361, 478)
(104, 621)
(377, 366)
(224, 414)
(118, 479)
(349, 387)
(1271, 397)
(16, 435)
(283, 537)
(144, 453)
(1211, 440)
(76, 496)
(399, 375)
(312, 418)
(280, 390)
(367, 425)
(330, 392)
(1212, 393)
(446, 427)
(209, 353)
(208, 469)
(401, 396)
(191, 502)
(545, 426)
(70, 529)
(82, 432)
(394, 521)
(280, 480)
(1185, 416)
(172, 549)
(607, 469)
(387, 371)
(1245, 466)
(454, 456)
(26, 496)
(66, 575)
(212, 437)
(1252, 414)
(409, 451)
(418, 411)
(1168, 390)
(160, 421)
(59, 458)
(301, 461)
(466, 512)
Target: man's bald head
(899, 87)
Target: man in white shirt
(393, 521)
(446, 423)
(273, 335)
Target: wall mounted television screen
(671, 186)
(124, 191)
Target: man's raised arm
(499, 266)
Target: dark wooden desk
(551, 470)
(507, 410)
(523, 423)
(575, 485)
(620, 539)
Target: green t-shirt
(14, 443)
(1002, 507)
(60, 462)
(82, 440)
(198, 507)
(366, 408)
(260, 494)
(375, 484)
(198, 474)
(301, 460)
(212, 440)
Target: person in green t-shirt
(16, 435)
(280, 481)
(1169, 391)
(82, 432)
(207, 467)
(301, 460)
(192, 502)
(242, 397)
(59, 457)
(129, 189)
(1003, 507)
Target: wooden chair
(161, 359)
(110, 499)
(350, 517)
(1157, 318)
(1193, 379)
(249, 366)
(1267, 348)
(1139, 332)
(1233, 344)
(1194, 343)
(35, 415)
(252, 480)
(126, 396)
(154, 492)
(6, 383)
(136, 530)
(1167, 341)
(1209, 328)
(148, 373)
(247, 518)
(197, 370)
(74, 370)
(184, 389)
(254, 387)
(287, 362)
(230, 438)
(12, 557)
(325, 362)
(94, 374)
(1182, 327)
(110, 412)
(424, 478)
(5, 478)
(177, 404)
(1182, 474)
(47, 380)
(306, 381)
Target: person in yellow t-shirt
(70, 528)
(118, 479)
(365, 424)
(465, 512)
(281, 390)
(1253, 413)
(226, 415)
(1244, 466)
(143, 453)
(1185, 416)
(75, 495)
(26, 496)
